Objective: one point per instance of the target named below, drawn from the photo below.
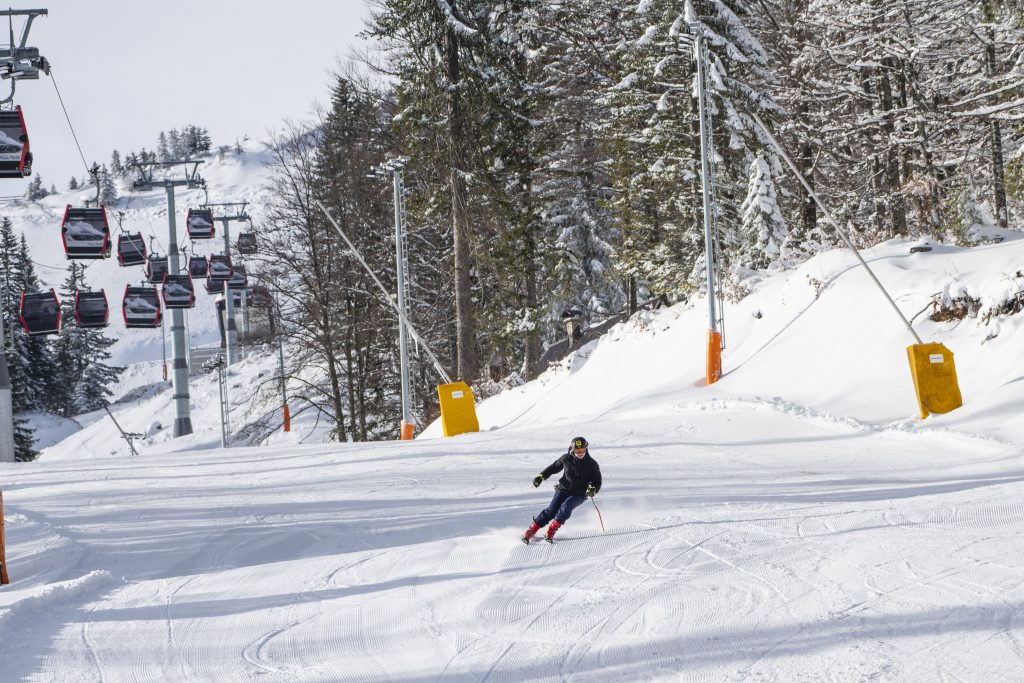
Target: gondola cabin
(220, 268)
(40, 313)
(238, 279)
(199, 223)
(198, 266)
(131, 249)
(141, 307)
(156, 268)
(246, 243)
(85, 233)
(178, 291)
(91, 309)
(15, 157)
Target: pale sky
(128, 69)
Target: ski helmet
(579, 442)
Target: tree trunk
(467, 361)
(336, 402)
(998, 168)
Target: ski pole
(599, 518)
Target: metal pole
(403, 343)
(123, 435)
(179, 347)
(229, 304)
(223, 405)
(714, 341)
(244, 300)
(163, 343)
(705, 181)
(839, 230)
(286, 414)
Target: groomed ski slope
(796, 521)
(743, 543)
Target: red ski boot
(528, 534)
(552, 528)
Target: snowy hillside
(795, 521)
(232, 178)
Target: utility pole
(285, 413)
(230, 328)
(714, 341)
(217, 363)
(179, 346)
(395, 168)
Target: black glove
(537, 480)
(591, 491)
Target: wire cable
(73, 134)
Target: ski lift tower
(230, 328)
(179, 347)
(18, 61)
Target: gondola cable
(66, 116)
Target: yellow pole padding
(714, 365)
(4, 578)
(458, 410)
(931, 366)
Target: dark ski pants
(561, 507)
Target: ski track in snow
(756, 561)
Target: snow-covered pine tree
(108, 188)
(39, 364)
(14, 346)
(116, 168)
(73, 183)
(79, 355)
(656, 143)
(163, 149)
(441, 54)
(68, 350)
(763, 227)
(572, 186)
(35, 190)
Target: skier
(581, 478)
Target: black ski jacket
(578, 473)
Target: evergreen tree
(763, 226)
(14, 347)
(108, 188)
(164, 146)
(655, 134)
(116, 169)
(73, 183)
(35, 190)
(39, 363)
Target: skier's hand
(591, 491)
(537, 480)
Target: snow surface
(795, 521)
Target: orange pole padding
(287, 418)
(406, 431)
(4, 578)
(714, 370)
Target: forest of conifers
(554, 164)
